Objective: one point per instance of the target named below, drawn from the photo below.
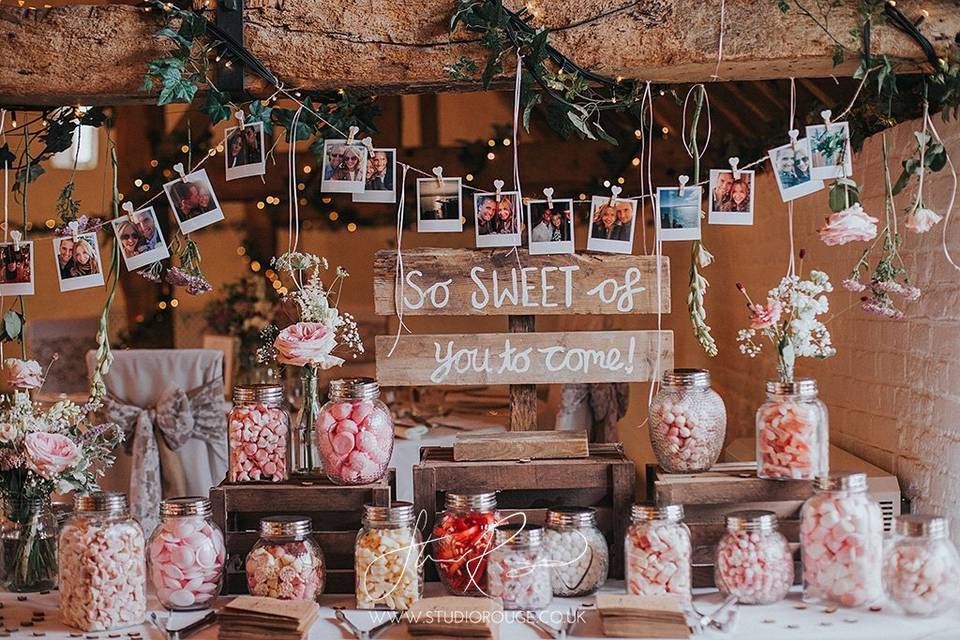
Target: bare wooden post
(523, 397)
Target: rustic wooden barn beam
(96, 54)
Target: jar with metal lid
(658, 552)
(354, 432)
(103, 571)
(462, 539)
(577, 551)
(518, 574)
(389, 573)
(841, 542)
(754, 562)
(186, 555)
(258, 434)
(921, 569)
(792, 432)
(688, 422)
(286, 562)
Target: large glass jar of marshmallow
(518, 574)
(185, 555)
(286, 562)
(658, 552)
(389, 573)
(103, 574)
(754, 562)
(462, 540)
(354, 432)
(841, 542)
(577, 551)
(792, 432)
(921, 569)
(257, 434)
(688, 422)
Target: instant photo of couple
(245, 154)
(141, 240)
(731, 197)
(78, 261)
(193, 201)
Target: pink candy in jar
(688, 422)
(257, 434)
(286, 562)
(841, 542)
(518, 572)
(792, 432)
(753, 562)
(102, 568)
(658, 552)
(354, 432)
(186, 555)
(921, 568)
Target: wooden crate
(605, 480)
(336, 512)
(708, 497)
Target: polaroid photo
(381, 182)
(831, 155)
(550, 228)
(678, 216)
(78, 262)
(498, 222)
(16, 260)
(731, 199)
(439, 206)
(792, 170)
(193, 201)
(344, 167)
(140, 238)
(612, 223)
(246, 152)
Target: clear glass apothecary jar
(186, 555)
(753, 560)
(792, 432)
(577, 551)
(286, 562)
(354, 432)
(258, 434)
(921, 569)
(518, 574)
(28, 534)
(103, 575)
(657, 552)
(688, 422)
(462, 540)
(389, 573)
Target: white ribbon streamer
(953, 193)
(399, 276)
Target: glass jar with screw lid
(257, 434)
(792, 432)
(658, 552)
(753, 561)
(921, 569)
(519, 574)
(286, 562)
(389, 573)
(462, 539)
(688, 422)
(354, 432)
(577, 551)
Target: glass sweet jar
(792, 440)
(103, 571)
(389, 573)
(577, 551)
(185, 555)
(753, 562)
(354, 432)
(462, 539)
(658, 552)
(258, 432)
(688, 422)
(518, 574)
(841, 542)
(921, 569)
(286, 562)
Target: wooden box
(604, 480)
(336, 512)
(708, 497)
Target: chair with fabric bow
(170, 405)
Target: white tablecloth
(783, 621)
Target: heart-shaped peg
(438, 171)
(548, 192)
(241, 117)
(16, 235)
(734, 162)
(794, 134)
(352, 133)
(368, 143)
(615, 190)
(74, 227)
(682, 180)
(825, 115)
(128, 207)
(179, 169)
(498, 184)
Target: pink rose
(22, 374)
(307, 343)
(50, 454)
(922, 220)
(850, 225)
(768, 316)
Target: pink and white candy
(658, 559)
(186, 558)
(755, 567)
(288, 571)
(519, 579)
(687, 432)
(788, 441)
(923, 577)
(355, 440)
(258, 443)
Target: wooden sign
(531, 445)
(467, 282)
(522, 358)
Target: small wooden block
(534, 445)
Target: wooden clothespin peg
(128, 207)
(74, 227)
(548, 192)
(794, 134)
(614, 192)
(179, 169)
(16, 235)
(241, 118)
(352, 134)
(498, 185)
(682, 180)
(826, 114)
(438, 171)
(368, 143)
(735, 167)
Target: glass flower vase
(29, 546)
(305, 459)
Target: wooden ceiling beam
(97, 54)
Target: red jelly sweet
(463, 538)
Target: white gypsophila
(9, 432)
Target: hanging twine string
(647, 102)
(723, 25)
(953, 189)
(293, 217)
(399, 277)
(791, 263)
